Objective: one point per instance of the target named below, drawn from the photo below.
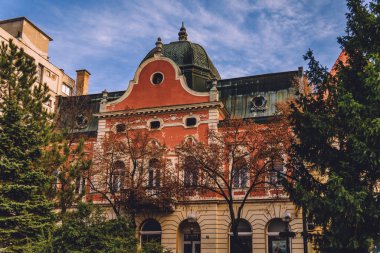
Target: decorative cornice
(162, 109)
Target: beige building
(35, 43)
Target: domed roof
(192, 59)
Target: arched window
(190, 171)
(150, 232)
(276, 243)
(154, 174)
(242, 244)
(117, 176)
(240, 174)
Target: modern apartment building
(35, 43)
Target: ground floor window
(150, 232)
(242, 244)
(276, 243)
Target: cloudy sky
(110, 37)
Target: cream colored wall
(214, 222)
(40, 41)
(54, 84)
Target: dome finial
(182, 35)
(158, 46)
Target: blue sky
(109, 38)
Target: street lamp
(287, 217)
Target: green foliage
(25, 212)
(153, 247)
(68, 163)
(337, 154)
(88, 230)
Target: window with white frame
(80, 185)
(66, 89)
(116, 179)
(275, 172)
(190, 171)
(154, 174)
(150, 232)
(240, 174)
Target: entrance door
(190, 237)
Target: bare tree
(241, 158)
(67, 157)
(130, 171)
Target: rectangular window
(240, 177)
(155, 124)
(80, 184)
(275, 173)
(40, 73)
(66, 89)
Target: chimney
(82, 82)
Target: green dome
(192, 59)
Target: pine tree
(337, 154)
(25, 212)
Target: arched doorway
(189, 239)
(277, 243)
(150, 232)
(242, 244)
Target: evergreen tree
(88, 230)
(25, 212)
(337, 154)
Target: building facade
(35, 43)
(178, 94)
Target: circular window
(81, 121)
(120, 128)
(157, 78)
(258, 103)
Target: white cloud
(242, 37)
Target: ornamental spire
(182, 35)
(158, 49)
